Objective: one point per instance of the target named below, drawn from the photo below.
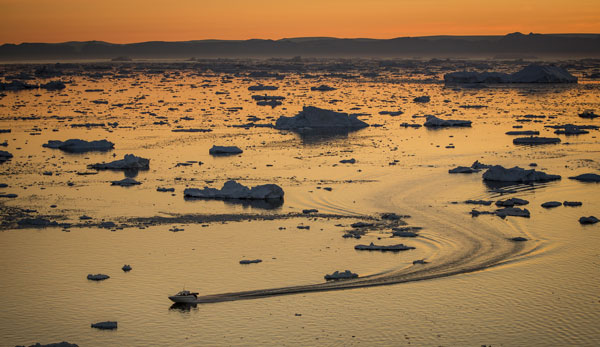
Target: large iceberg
(529, 74)
(234, 190)
(321, 119)
(516, 174)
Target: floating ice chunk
(512, 211)
(523, 132)
(392, 248)
(589, 220)
(261, 87)
(589, 114)
(571, 129)
(250, 261)
(587, 177)
(234, 190)
(463, 169)
(97, 277)
(318, 118)
(322, 88)
(56, 344)
(80, 146)
(534, 140)
(542, 74)
(341, 275)
(551, 204)
(516, 174)
(129, 162)
(422, 99)
(105, 325)
(511, 202)
(529, 74)
(125, 182)
(572, 203)
(53, 85)
(433, 121)
(5, 156)
(224, 150)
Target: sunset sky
(126, 21)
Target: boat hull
(188, 299)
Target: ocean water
(478, 288)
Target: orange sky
(125, 21)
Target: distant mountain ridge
(513, 45)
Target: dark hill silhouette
(513, 45)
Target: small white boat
(184, 296)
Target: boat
(184, 296)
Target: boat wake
(464, 246)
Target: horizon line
(298, 37)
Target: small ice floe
(317, 118)
(516, 174)
(434, 122)
(479, 202)
(126, 268)
(572, 203)
(476, 213)
(361, 225)
(129, 162)
(341, 275)
(250, 261)
(176, 229)
(84, 217)
(56, 344)
(518, 239)
(224, 150)
(191, 130)
(589, 114)
(551, 204)
(391, 113)
(234, 190)
(403, 232)
(511, 202)
(108, 325)
(422, 99)
(53, 85)
(512, 211)
(420, 261)
(391, 248)
(97, 277)
(80, 146)
(125, 182)
(5, 156)
(162, 189)
(37, 222)
(589, 220)
(410, 125)
(261, 87)
(322, 88)
(348, 161)
(311, 210)
(535, 140)
(9, 196)
(587, 177)
(571, 129)
(463, 169)
(523, 132)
